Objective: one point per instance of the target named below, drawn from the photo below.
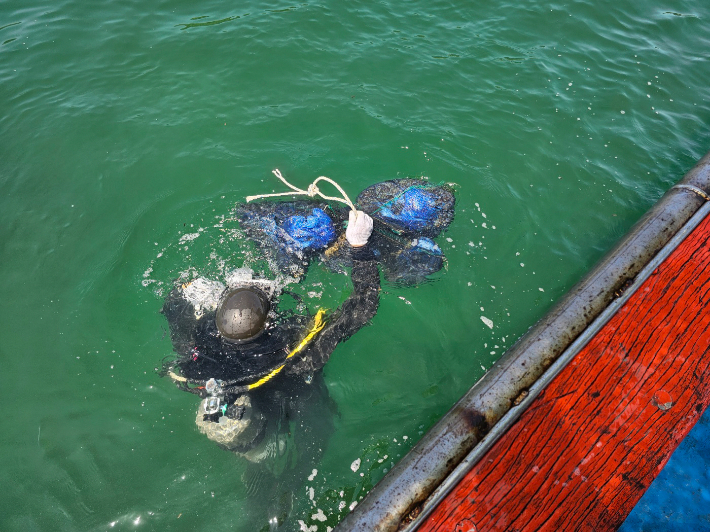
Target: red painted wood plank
(589, 445)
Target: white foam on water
(188, 237)
(306, 528)
(355, 465)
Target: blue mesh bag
(410, 207)
(288, 232)
(412, 264)
(312, 232)
(413, 209)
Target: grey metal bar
(403, 490)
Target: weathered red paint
(586, 449)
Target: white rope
(312, 191)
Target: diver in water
(232, 346)
(255, 367)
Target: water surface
(125, 126)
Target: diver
(255, 362)
(230, 343)
(257, 368)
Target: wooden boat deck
(590, 444)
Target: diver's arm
(180, 314)
(353, 314)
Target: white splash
(203, 293)
(188, 237)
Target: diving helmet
(242, 314)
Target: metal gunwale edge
(450, 444)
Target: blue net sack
(288, 232)
(411, 207)
(412, 264)
(312, 232)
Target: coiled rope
(311, 191)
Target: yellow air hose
(318, 324)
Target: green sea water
(129, 130)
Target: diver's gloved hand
(359, 229)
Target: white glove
(359, 228)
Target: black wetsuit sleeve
(353, 314)
(180, 314)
